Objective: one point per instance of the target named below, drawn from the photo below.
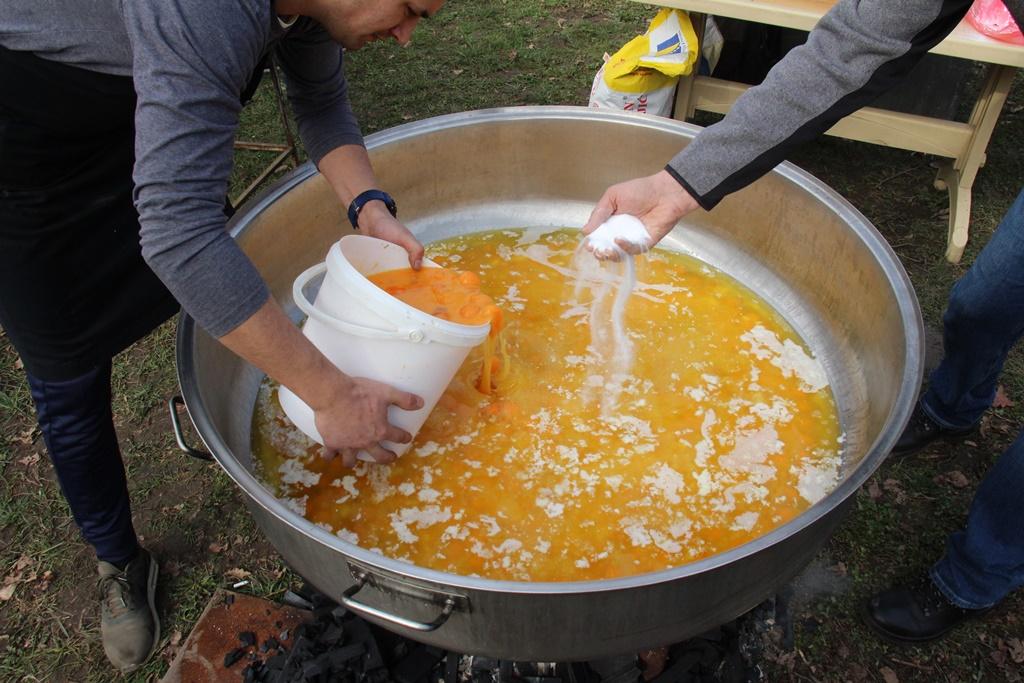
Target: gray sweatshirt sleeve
(317, 90)
(858, 50)
(191, 60)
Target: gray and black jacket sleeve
(858, 50)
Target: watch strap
(356, 207)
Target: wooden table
(963, 144)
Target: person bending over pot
(857, 51)
(117, 121)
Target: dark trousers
(74, 289)
(78, 427)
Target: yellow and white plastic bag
(642, 75)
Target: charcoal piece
(229, 599)
(232, 657)
(276, 663)
(616, 669)
(379, 675)
(399, 650)
(315, 667)
(247, 638)
(293, 599)
(270, 644)
(580, 672)
(483, 669)
(340, 656)
(302, 647)
(417, 664)
(681, 668)
(710, 655)
(451, 667)
(332, 635)
(483, 664)
(252, 673)
(734, 670)
(360, 632)
(324, 611)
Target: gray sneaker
(129, 624)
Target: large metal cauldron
(788, 237)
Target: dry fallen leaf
(653, 661)
(218, 547)
(18, 571)
(29, 460)
(1016, 648)
(859, 673)
(874, 490)
(175, 638)
(44, 580)
(954, 478)
(889, 675)
(7, 592)
(896, 489)
(237, 574)
(1002, 400)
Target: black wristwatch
(356, 207)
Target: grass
(479, 55)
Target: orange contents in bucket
(452, 295)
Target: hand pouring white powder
(620, 226)
(599, 276)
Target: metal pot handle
(361, 608)
(179, 435)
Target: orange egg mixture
(724, 430)
(451, 295)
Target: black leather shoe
(914, 613)
(921, 431)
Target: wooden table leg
(958, 176)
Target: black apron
(74, 289)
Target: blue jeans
(985, 317)
(78, 428)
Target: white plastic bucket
(366, 332)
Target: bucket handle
(448, 604)
(413, 335)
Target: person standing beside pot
(117, 122)
(857, 51)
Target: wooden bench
(963, 144)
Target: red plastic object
(993, 19)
